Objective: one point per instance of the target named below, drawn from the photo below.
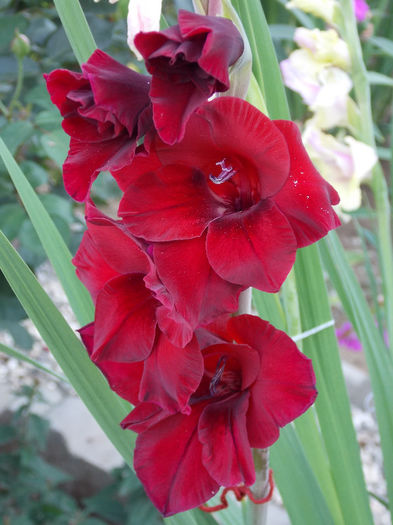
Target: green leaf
(298, 486)
(378, 359)
(265, 64)
(281, 31)
(51, 240)
(107, 408)
(76, 28)
(332, 403)
(383, 44)
(378, 79)
(22, 357)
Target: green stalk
(348, 27)
(18, 87)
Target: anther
(217, 375)
(226, 173)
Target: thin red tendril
(240, 493)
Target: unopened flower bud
(20, 46)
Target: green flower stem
(261, 485)
(261, 456)
(4, 110)
(18, 88)
(348, 28)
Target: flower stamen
(227, 172)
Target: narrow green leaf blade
(332, 403)
(378, 359)
(23, 357)
(52, 242)
(265, 65)
(76, 28)
(107, 408)
(306, 505)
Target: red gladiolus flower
(106, 110)
(241, 179)
(248, 391)
(188, 62)
(141, 316)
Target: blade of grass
(379, 364)
(332, 403)
(76, 28)
(23, 357)
(107, 408)
(265, 65)
(306, 505)
(269, 307)
(52, 242)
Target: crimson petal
(125, 320)
(171, 375)
(222, 430)
(306, 198)
(168, 462)
(91, 268)
(87, 159)
(255, 247)
(123, 378)
(285, 387)
(117, 88)
(115, 244)
(143, 417)
(198, 293)
(171, 204)
(231, 128)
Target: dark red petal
(141, 164)
(171, 204)
(87, 336)
(222, 47)
(125, 321)
(240, 358)
(199, 295)
(231, 128)
(177, 329)
(117, 246)
(86, 160)
(168, 462)
(117, 88)
(171, 375)
(255, 247)
(59, 83)
(143, 417)
(172, 112)
(123, 378)
(285, 387)
(306, 198)
(226, 452)
(91, 267)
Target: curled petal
(306, 199)
(256, 247)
